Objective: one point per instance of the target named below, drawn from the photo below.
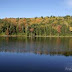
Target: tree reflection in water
(47, 46)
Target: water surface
(19, 54)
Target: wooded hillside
(38, 26)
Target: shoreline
(29, 36)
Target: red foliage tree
(31, 29)
(59, 28)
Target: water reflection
(47, 46)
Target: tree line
(38, 26)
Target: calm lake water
(19, 54)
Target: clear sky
(35, 8)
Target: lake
(20, 54)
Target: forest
(38, 26)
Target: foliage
(38, 26)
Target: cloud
(68, 2)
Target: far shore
(29, 36)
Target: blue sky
(35, 8)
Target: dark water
(35, 54)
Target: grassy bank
(29, 36)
